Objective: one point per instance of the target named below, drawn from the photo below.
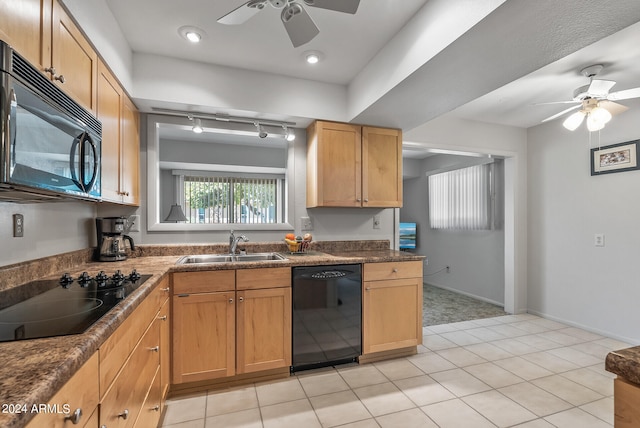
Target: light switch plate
(376, 222)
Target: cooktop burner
(69, 306)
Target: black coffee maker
(111, 238)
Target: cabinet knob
(395, 270)
(368, 289)
(74, 417)
(366, 199)
(241, 299)
(60, 78)
(230, 300)
(163, 318)
(156, 408)
(51, 70)
(124, 415)
(358, 200)
(165, 289)
(155, 349)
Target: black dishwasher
(327, 315)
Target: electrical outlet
(134, 221)
(18, 225)
(598, 240)
(376, 222)
(306, 223)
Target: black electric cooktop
(69, 306)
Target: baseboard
(464, 293)
(584, 327)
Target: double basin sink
(227, 258)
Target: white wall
(569, 278)
(476, 258)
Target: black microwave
(50, 147)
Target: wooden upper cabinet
(120, 140)
(74, 60)
(353, 166)
(26, 26)
(109, 112)
(381, 167)
(130, 154)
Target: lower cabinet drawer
(150, 413)
(122, 403)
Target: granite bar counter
(625, 363)
(32, 371)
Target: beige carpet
(442, 307)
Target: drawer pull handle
(183, 295)
(124, 415)
(74, 417)
(155, 349)
(156, 408)
(162, 318)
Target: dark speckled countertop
(625, 363)
(31, 371)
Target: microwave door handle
(94, 150)
(72, 161)
(11, 122)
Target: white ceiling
(523, 53)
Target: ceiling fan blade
(242, 13)
(600, 88)
(613, 108)
(298, 23)
(624, 95)
(557, 102)
(557, 115)
(346, 6)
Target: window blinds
(461, 199)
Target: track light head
(289, 135)
(261, 132)
(197, 126)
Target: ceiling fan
(595, 102)
(296, 20)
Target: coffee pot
(111, 238)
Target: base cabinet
(391, 306)
(228, 323)
(80, 393)
(626, 397)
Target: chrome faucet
(233, 242)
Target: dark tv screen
(407, 236)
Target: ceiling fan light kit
(595, 102)
(297, 22)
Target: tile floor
(514, 370)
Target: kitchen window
(224, 198)
(463, 198)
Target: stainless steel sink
(227, 258)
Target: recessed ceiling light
(192, 34)
(312, 57)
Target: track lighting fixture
(289, 135)
(197, 126)
(261, 132)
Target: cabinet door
(75, 61)
(130, 154)
(109, 112)
(203, 336)
(26, 26)
(334, 169)
(264, 329)
(392, 314)
(381, 167)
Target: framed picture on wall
(615, 158)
